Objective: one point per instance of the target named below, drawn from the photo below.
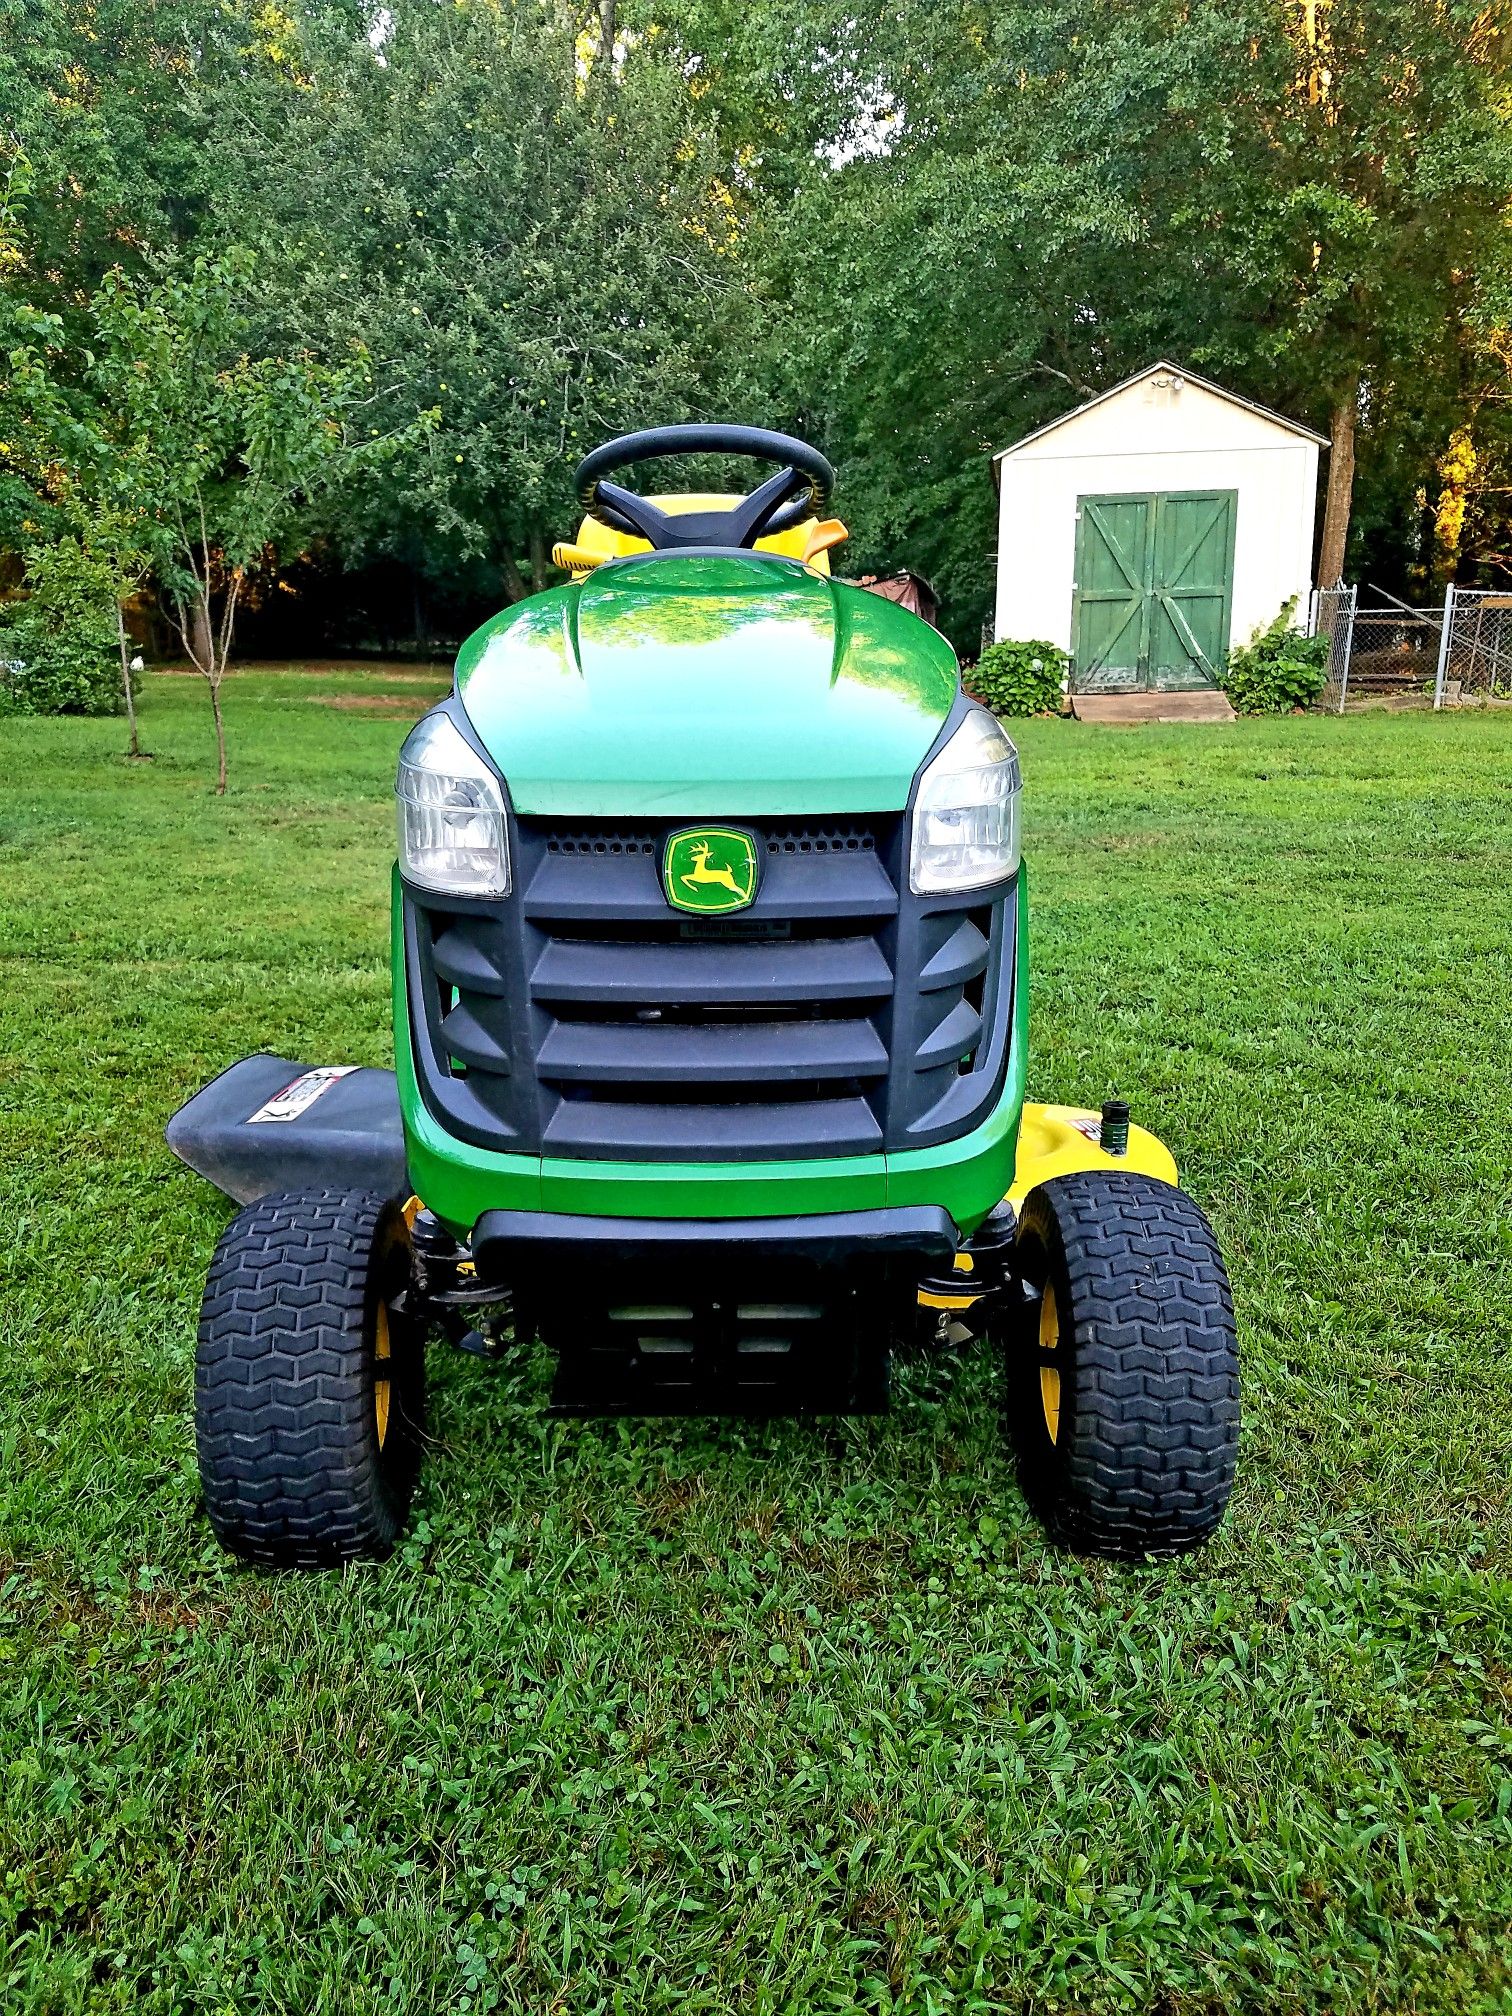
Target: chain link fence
(1389, 652)
(1460, 652)
(1394, 652)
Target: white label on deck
(301, 1095)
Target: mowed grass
(791, 1717)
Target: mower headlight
(966, 813)
(452, 832)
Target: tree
(913, 231)
(990, 208)
(220, 452)
(540, 255)
(106, 98)
(84, 549)
(1382, 222)
(111, 536)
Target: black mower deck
(268, 1124)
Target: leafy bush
(42, 672)
(58, 649)
(1020, 678)
(1278, 670)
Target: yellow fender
(1058, 1140)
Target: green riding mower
(711, 988)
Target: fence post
(1444, 637)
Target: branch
(1086, 391)
(233, 592)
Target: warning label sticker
(301, 1095)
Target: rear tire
(1123, 1377)
(309, 1387)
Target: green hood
(707, 685)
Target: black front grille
(752, 1034)
(584, 1017)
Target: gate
(1332, 615)
(1475, 652)
(1462, 651)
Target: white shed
(1152, 528)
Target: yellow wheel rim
(1050, 1378)
(382, 1367)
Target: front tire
(1123, 1377)
(309, 1384)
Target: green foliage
(1009, 207)
(222, 448)
(199, 455)
(58, 641)
(543, 261)
(914, 231)
(44, 670)
(94, 92)
(1278, 670)
(1020, 678)
(699, 1715)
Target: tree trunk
(1341, 469)
(133, 747)
(201, 642)
(514, 580)
(537, 558)
(220, 736)
(211, 654)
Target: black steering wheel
(799, 490)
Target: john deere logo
(709, 869)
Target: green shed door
(1110, 607)
(1154, 585)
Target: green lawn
(808, 1717)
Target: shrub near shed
(1278, 671)
(1020, 678)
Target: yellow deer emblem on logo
(700, 875)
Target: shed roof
(1178, 371)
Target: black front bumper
(743, 1315)
(525, 1246)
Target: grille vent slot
(600, 843)
(846, 839)
(835, 838)
(974, 993)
